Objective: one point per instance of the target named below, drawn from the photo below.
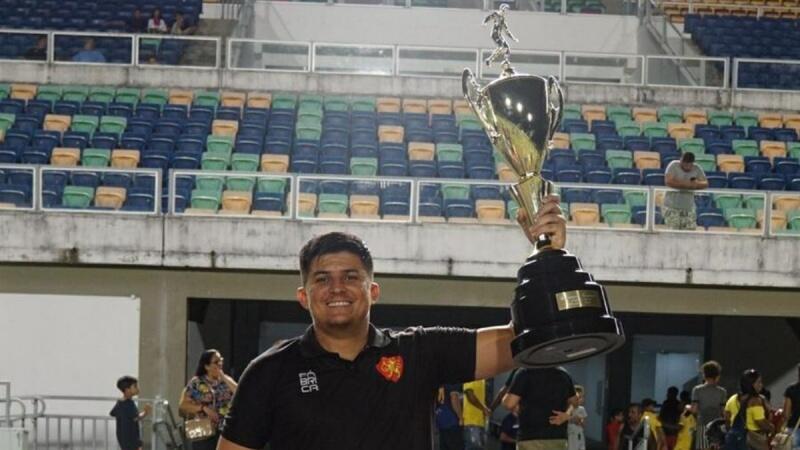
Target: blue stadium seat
(757, 164)
(451, 169)
(459, 207)
(19, 195)
(393, 168)
(786, 166)
(269, 201)
(598, 175)
(422, 169)
(653, 177)
(569, 173)
(627, 176)
(710, 217)
(771, 182)
(741, 180)
(575, 195)
(717, 180)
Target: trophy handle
(555, 97)
(478, 102)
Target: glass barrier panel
(767, 74)
(239, 194)
(785, 214)
(23, 45)
(265, 55)
(355, 59)
(354, 198)
(155, 50)
(609, 69)
(465, 202)
(96, 189)
(88, 48)
(686, 72)
(534, 63)
(711, 211)
(16, 185)
(436, 62)
(604, 206)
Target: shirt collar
(310, 348)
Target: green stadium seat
(363, 103)
(617, 159)
(6, 120)
(455, 191)
(740, 218)
(364, 166)
(746, 119)
(745, 147)
(332, 203)
(694, 145)
(726, 201)
(77, 197)
(449, 152)
(336, 103)
(284, 100)
(210, 182)
(271, 185)
(582, 141)
(85, 124)
(207, 98)
(793, 219)
(240, 183)
(618, 113)
(669, 114)
(707, 162)
(755, 202)
(572, 111)
(245, 162)
(215, 161)
(127, 95)
(512, 207)
(95, 157)
(635, 198)
(720, 118)
(308, 130)
(219, 144)
(793, 149)
(75, 93)
(101, 94)
(311, 100)
(49, 92)
(113, 124)
(5, 89)
(629, 128)
(615, 213)
(157, 96)
(208, 199)
(655, 129)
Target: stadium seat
(180, 97)
(695, 116)
(95, 157)
(491, 211)
(206, 199)
(109, 197)
(57, 122)
(679, 130)
(364, 206)
(619, 159)
(78, 197)
(259, 99)
(740, 218)
(23, 91)
(770, 120)
(125, 158)
(647, 160)
(773, 149)
(236, 202)
(233, 99)
(65, 157)
(585, 214)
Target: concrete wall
(441, 27)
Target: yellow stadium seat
(125, 158)
(57, 122)
(560, 140)
(109, 197)
(461, 107)
(65, 157)
(695, 117)
(777, 218)
(421, 151)
(391, 133)
(364, 206)
(221, 127)
(642, 115)
(505, 173)
(680, 130)
(274, 163)
(233, 99)
(415, 105)
(647, 160)
(259, 99)
(585, 214)
(180, 97)
(771, 149)
(791, 121)
(440, 106)
(786, 202)
(491, 211)
(593, 112)
(388, 104)
(307, 204)
(23, 91)
(730, 163)
(770, 120)
(237, 202)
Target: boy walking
(127, 415)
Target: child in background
(687, 426)
(576, 437)
(613, 427)
(127, 415)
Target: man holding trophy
(346, 384)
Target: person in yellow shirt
(475, 413)
(687, 425)
(753, 419)
(656, 430)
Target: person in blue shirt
(89, 54)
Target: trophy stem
(529, 193)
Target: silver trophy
(560, 313)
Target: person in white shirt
(156, 24)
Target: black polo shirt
(541, 392)
(299, 396)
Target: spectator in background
(449, 418)
(679, 207)
(791, 407)
(656, 440)
(138, 22)
(613, 427)
(631, 433)
(39, 51)
(746, 415)
(127, 415)
(576, 438)
(156, 24)
(476, 414)
(686, 427)
(544, 399)
(182, 26)
(208, 394)
(89, 54)
(708, 400)
(669, 416)
(508, 431)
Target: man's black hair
(126, 382)
(687, 157)
(333, 243)
(711, 369)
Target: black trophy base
(560, 313)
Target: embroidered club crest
(391, 367)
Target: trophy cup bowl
(560, 314)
